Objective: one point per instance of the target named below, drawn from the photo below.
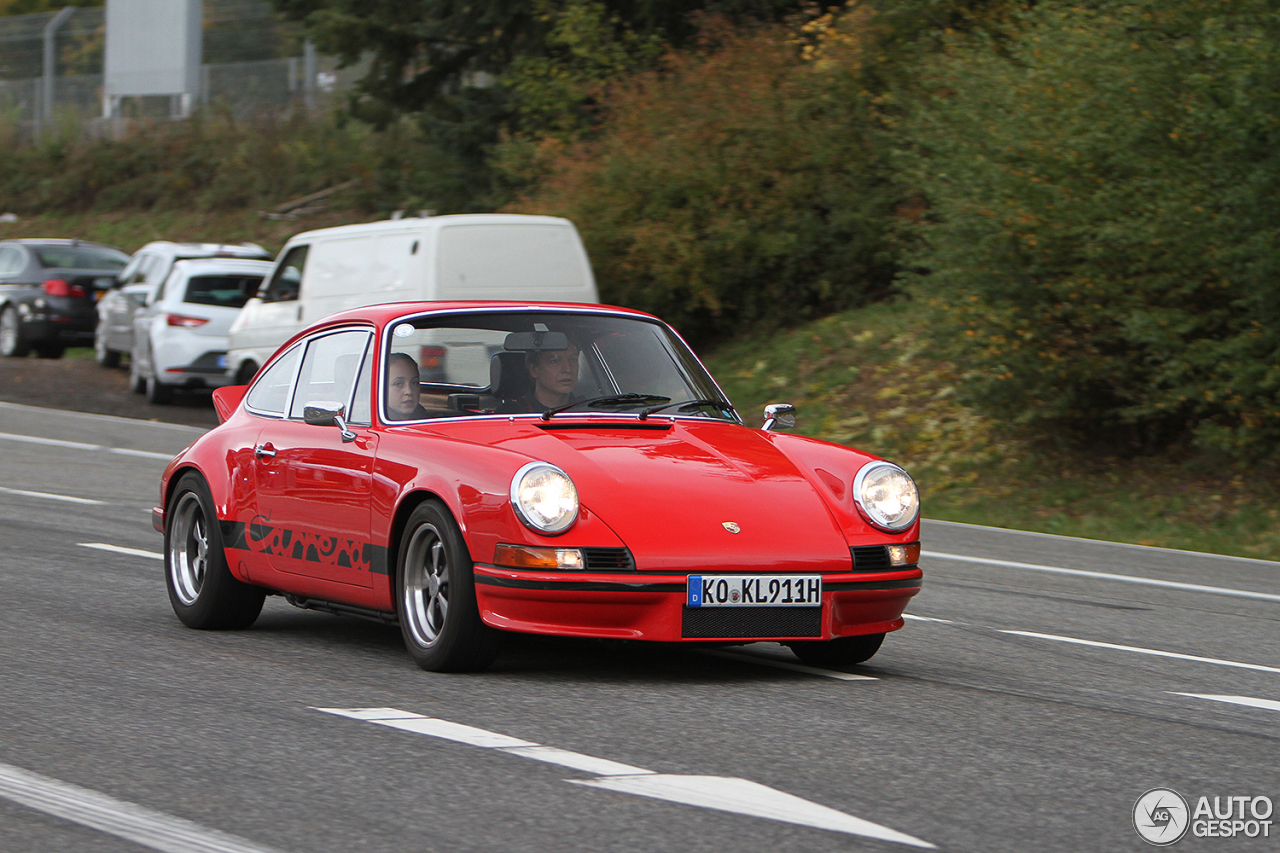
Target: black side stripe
(264, 538)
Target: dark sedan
(48, 292)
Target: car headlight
(887, 496)
(545, 498)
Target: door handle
(264, 451)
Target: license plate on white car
(754, 591)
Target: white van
(459, 257)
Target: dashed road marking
(142, 826)
(48, 496)
(1188, 587)
(117, 549)
(1142, 651)
(80, 445)
(1249, 701)
(738, 796)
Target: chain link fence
(51, 68)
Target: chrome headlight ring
(886, 496)
(544, 498)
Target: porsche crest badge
(731, 526)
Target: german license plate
(754, 591)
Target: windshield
(545, 363)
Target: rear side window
(80, 257)
(270, 394)
(226, 291)
(10, 260)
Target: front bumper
(637, 606)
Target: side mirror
(779, 416)
(328, 413)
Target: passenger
(403, 388)
(554, 374)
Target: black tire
(202, 590)
(842, 651)
(157, 392)
(102, 355)
(137, 382)
(246, 372)
(50, 350)
(11, 343)
(436, 596)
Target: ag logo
(1161, 816)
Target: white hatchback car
(180, 338)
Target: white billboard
(153, 47)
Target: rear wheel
(841, 651)
(436, 596)
(202, 590)
(11, 343)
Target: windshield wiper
(611, 401)
(690, 406)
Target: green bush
(738, 186)
(1103, 221)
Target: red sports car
(467, 470)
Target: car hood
(674, 492)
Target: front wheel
(842, 651)
(158, 392)
(101, 354)
(202, 590)
(436, 596)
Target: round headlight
(545, 498)
(887, 496)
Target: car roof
(204, 249)
(386, 312)
(60, 241)
(196, 266)
(431, 222)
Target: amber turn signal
(526, 557)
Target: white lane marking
(133, 552)
(1249, 701)
(1057, 570)
(142, 826)
(913, 618)
(782, 664)
(49, 496)
(1083, 540)
(1138, 650)
(738, 796)
(741, 796)
(80, 445)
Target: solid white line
(1109, 544)
(911, 617)
(131, 822)
(49, 496)
(80, 445)
(1268, 704)
(1142, 651)
(782, 664)
(738, 796)
(1190, 587)
(116, 549)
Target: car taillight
(432, 357)
(61, 287)
(185, 322)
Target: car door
(313, 487)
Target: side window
(164, 286)
(362, 404)
(270, 394)
(329, 369)
(287, 279)
(10, 260)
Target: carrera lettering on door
(260, 537)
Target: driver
(554, 374)
(403, 388)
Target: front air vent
(871, 558)
(609, 559)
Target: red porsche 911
(469, 470)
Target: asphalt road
(1042, 685)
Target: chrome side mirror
(328, 413)
(779, 416)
